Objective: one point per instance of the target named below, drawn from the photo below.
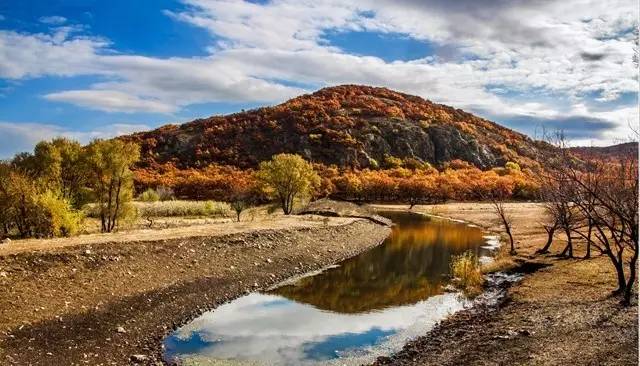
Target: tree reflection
(412, 265)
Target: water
(365, 307)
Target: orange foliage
(412, 186)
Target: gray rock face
(449, 144)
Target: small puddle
(365, 307)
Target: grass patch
(174, 208)
(467, 274)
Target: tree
(287, 178)
(241, 194)
(417, 189)
(505, 219)
(60, 165)
(110, 177)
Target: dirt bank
(561, 314)
(101, 299)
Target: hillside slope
(348, 125)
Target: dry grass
(174, 208)
(467, 275)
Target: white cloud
(110, 101)
(34, 55)
(53, 20)
(18, 137)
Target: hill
(613, 152)
(349, 126)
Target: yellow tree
(111, 179)
(288, 178)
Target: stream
(364, 307)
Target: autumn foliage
(412, 186)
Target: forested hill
(349, 125)
(613, 152)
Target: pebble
(120, 330)
(139, 358)
(269, 260)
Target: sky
(94, 69)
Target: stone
(120, 330)
(139, 358)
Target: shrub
(391, 162)
(510, 165)
(467, 274)
(56, 216)
(165, 193)
(149, 195)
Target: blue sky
(88, 69)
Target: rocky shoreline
(130, 296)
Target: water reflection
(369, 305)
(411, 265)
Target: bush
(56, 216)
(149, 196)
(166, 193)
(467, 274)
(510, 165)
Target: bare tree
(597, 199)
(613, 187)
(505, 219)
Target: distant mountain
(349, 126)
(627, 149)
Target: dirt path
(100, 299)
(560, 315)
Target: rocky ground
(110, 299)
(561, 314)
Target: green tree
(288, 178)
(60, 164)
(110, 177)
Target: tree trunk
(568, 250)
(513, 248)
(588, 255)
(628, 291)
(550, 231)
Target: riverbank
(561, 314)
(110, 299)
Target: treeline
(42, 193)
(419, 183)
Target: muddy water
(367, 306)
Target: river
(366, 306)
